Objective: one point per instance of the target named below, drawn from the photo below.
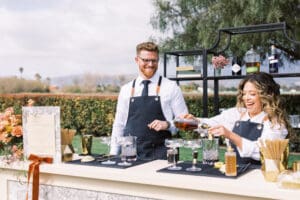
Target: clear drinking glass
(107, 140)
(125, 142)
(210, 151)
(174, 144)
(194, 144)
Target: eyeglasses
(154, 61)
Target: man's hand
(159, 125)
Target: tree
(38, 77)
(193, 24)
(48, 81)
(21, 69)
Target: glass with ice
(210, 150)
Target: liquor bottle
(273, 60)
(230, 162)
(236, 66)
(252, 59)
(189, 124)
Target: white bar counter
(138, 182)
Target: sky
(70, 37)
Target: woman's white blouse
(249, 148)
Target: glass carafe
(252, 60)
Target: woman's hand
(188, 116)
(220, 130)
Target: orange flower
(2, 137)
(17, 152)
(9, 111)
(17, 131)
(5, 138)
(30, 102)
(16, 119)
(11, 133)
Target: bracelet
(169, 124)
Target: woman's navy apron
(251, 131)
(142, 111)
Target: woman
(258, 114)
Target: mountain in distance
(102, 79)
(91, 79)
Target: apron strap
(132, 88)
(158, 86)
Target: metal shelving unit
(229, 32)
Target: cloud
(62, 37)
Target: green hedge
(94, 114)
(88, 114)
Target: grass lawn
(185, 154)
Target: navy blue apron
(251, 131)
(142, 111)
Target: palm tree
(21, 69)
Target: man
(147, 106)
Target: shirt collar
(259, 118)
(153, 79)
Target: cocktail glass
(107, 140)
(194, 144)
(174, 144)
(126, 143)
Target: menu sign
(41, 126)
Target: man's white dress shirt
(172, 104)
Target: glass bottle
(236, 66)
(273, 60)
(230, 162)
(252, 59)
(189, 124)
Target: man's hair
(148, 46)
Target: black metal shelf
(282, 26)
(284, 75)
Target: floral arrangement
(11, 135)
(219, 62)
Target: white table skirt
(139, 182)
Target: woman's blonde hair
(269, 93)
